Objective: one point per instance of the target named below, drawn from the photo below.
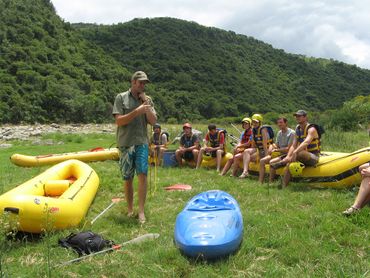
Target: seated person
(363, 195)
(306, 145)
(284, 141)
(158, 143)
(189, 146)
(244, 143)
(261, 144)
(214, 145)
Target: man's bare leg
(286, 177)
(142, 196)
(129, 195)
(219, 158)
(200, 157)
(178, 155)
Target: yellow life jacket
(258, 138)
(315, 145)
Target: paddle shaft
(236, 128)
(105, 210)
(115, 247)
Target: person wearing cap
(261, 144)
(214, 144)
(158, 143)
(284, 141)
(244, 143)
(306, 145)
(132, 111)
(189, 145)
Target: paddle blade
(178, 187)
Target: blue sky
(337, 29)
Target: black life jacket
(214, 140)
(258, 138)
(315, 145)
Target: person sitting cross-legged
(214, 145)
(189, 146)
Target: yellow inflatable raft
(334, 170)
(56, 199)
(96, 154)
(209, 161)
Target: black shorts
(188, 155)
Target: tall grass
(297, 232)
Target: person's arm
(122, 120)
(290, 156)
(311, 132)
(264, 140)
(164, 141)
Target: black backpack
(85, 243)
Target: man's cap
(186, 125)
(140, 75)
(156, 125)
(300, 113)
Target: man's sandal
(350, 211)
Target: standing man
(189, 146)
(133, 110)
(306, 145)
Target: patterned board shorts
(134, 158)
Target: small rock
(4, 146)
(54, 125)
(49, 142)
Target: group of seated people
(256, 145)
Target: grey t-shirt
(134, 133)
(284, 139)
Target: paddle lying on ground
(179, 187)
(114, 201)
(113, 248)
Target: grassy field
(295, 232)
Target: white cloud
(330, 29)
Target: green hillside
(51, 70)
(220, 73)
(48, 72)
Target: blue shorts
(134, 158)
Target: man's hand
(365, 172)
(143, 109)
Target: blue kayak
(210, 226)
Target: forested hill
(219, 73)
(48, 72)
(51, 70)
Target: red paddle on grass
(113, 248)
(114, 201)
(179, 187)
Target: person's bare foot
(142, 218)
